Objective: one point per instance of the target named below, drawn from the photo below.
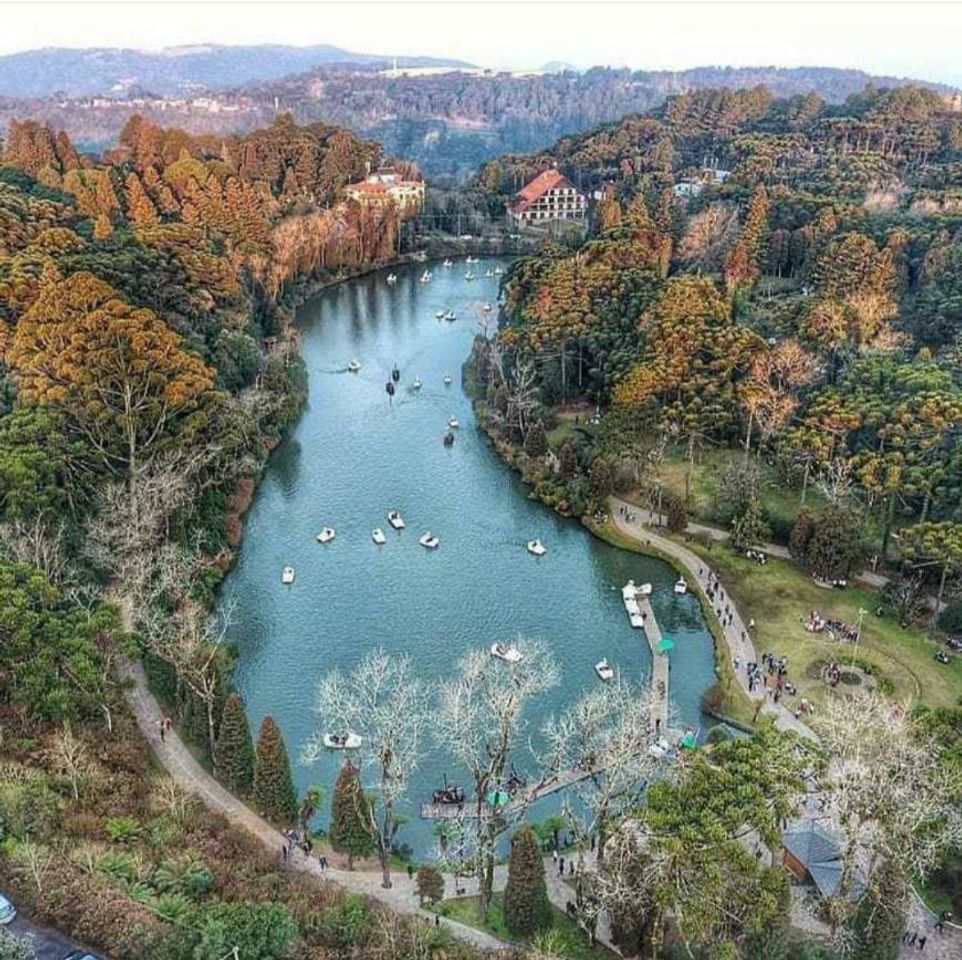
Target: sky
(916, 39)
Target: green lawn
(779, 597)
(570, 421)
(571, 940)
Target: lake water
(354, 455)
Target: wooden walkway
(659, 670)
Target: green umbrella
(498, 798)
(688, 741)
(666, 644)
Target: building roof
(819, 853)
(369, 186)
(542, 183)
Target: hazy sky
(920, 39)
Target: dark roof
(811, 844)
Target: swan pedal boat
(326, 535)
(395, 519)
(354, 366)
(537, 548)
(508, 654)
(429, 540)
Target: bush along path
(736, 633)
(178, 761)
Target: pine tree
(526, 906)
(536, 443)
(750, 529)
(568, 460)
(273, 787)
(235, 748)
(602, 482)
(350, 830)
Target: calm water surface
(354, 455)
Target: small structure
(811, 854)
(550, 196)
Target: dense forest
(448, 123)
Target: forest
(149, 365)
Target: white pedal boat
(378, 536)
(537, 548)
(343, 741)
(429, 540)
(395, 519)
(681, 585)
(287, 575)
(448, 379)
(354, 366)
(604, 671)
(326, 535)
(508, 654)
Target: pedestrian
(437, 920)
(168, 723)
(912, 939)
(554, 854)
(571, 868)
(922, 940)
(163, 732)
(284, 852)
(561, 867)
(410, 871)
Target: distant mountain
(559, 66)
(173, 70)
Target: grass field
(779, 597)
(569, 939)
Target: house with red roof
(550, 196)
(387, 186)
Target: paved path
(659, 670)
(652, 519)
(181, 765)
(740, 646)
(944, 946)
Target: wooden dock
(469, 810)
(659, 728)
(659, 670)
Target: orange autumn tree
(117, 371)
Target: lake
(354, 454)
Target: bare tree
(480, 720)
(71, 759)
(41, 543)
(383, 702)
(893, 796)
(34, 860)
(607, 735)
(522, 395)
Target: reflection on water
(354, 455)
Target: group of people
(837, 629)
(759, 556)
(772, 674)
(833, 674)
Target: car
(8, 912)
(81, 955)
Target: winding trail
(736, 633)
(181, 765)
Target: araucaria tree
(235, 748)
(384, 703)
(526, 906)
(273, 786)
(480, 720)
(350, 831)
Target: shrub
(430, 885)
(123, 829)
(676, 513)
(536, 443)
(347, 925)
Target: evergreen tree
(602, 482)
(526, 906)
(750, 530)
(568, 460)
(879, 921)
(536, 443)
(273, 786)
(350, 830)
(235, 748)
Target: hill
(95, 71)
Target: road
(49, 944)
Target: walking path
(659, 669)
(652, 519)
(736, 634)
(181, 765)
